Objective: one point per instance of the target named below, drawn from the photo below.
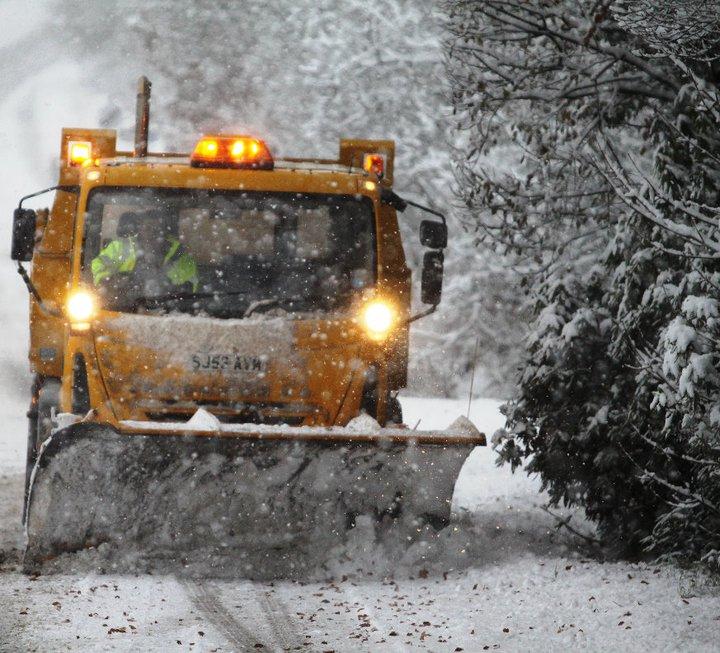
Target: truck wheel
(31, 454)
(39, 426)
(48, 400)
(394, 410)
(40, 420)
(369, 402)
(438, 522)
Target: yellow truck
(217, 341)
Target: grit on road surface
(503, 579)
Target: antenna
(142, 117)
(472, 378)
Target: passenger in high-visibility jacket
(136, 246)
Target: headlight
(378, 318)
(80, 306)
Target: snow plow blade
(269, 498)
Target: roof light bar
(244, 152)
(79, 153)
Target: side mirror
(23, 235)
(433, 234)
(432, 278)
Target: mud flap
(274, 504)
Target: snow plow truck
(217, 340)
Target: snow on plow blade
(269, 499)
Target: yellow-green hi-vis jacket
(120, 255)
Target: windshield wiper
(160, 299)
(261, 303)
(154, 301)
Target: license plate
(229, 363)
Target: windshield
(227, 253)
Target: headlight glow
(378, 318)
(80, 306)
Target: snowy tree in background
(591, 165)
(303, 74)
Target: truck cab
(263, 291)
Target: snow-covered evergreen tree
(591, 163)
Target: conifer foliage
(591, 163)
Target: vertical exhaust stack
(142, 117)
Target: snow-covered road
(503, 579)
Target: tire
(39, 426)
(31, 454)
(48, 401)
(437, 522)
(369, 403)
(394, 411)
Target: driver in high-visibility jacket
(136, 246)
